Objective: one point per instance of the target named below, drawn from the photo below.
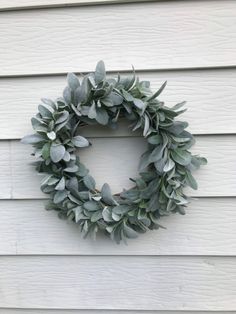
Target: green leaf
(57, 151)
(73, 81)
(46, 151)
(107, 214)
(155, 95)
(60, 196)
(169, 165)
(32, 139)
(102, 116)
(80, 141)
(144, 161)
(67, 94)
(190, 180)
(156, 153)
(129, 232)
(181, 157)
(92, 206)
(61, 116)
(45, 111)
(146, 125)
(92, 111)
(61, 184)
(107, 195)
(89, 182)
(139, 103)
(127, 96)
(116, 99)
(177, 127)
(121, 209)
(37, 123)
(100, 72)
(72, 169)
(155, 139)
(96, 216)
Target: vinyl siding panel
(194, 283)
(185, 34)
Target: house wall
(190, 267)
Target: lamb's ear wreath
(164, 169)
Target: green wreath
(164, 169)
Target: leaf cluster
(164, 170)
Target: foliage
(164, 169)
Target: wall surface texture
(45, 266)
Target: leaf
(72, 169)
(100, 72)
(127, 96)
(61, 184)
(78, 213)
(61, 116)
(202, 160)
(155, 95)
(80, 141)
(96, 216)
(102, 116)
(92, 111)
(156, 153)
(107, 195)
(139, 103)
(169, 165)
(146, 125)
(60, 196)
(89, 182)
(190, 180)
(177, 127)
(66, 157)
(107, 215)
(49, 102)
(46, 151)
(73, 81)
(92, 206)
(67, 94)
(121, 209)
(57, 152)
(155, 139)
(129, 232)
(32, 139)
(181, 157)
(51, 135)
(36, 123)
(45, 111)
(116, 99)
(144, 161)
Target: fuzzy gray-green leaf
(57, 152)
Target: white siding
(110, 282)
(160, 35)
(190, 267)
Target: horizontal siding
(210, 96)
(117, 161)
(60, 311)
(142, 283)
(208, 228)
(179, 34)
(29, 4)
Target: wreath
(164, 169)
